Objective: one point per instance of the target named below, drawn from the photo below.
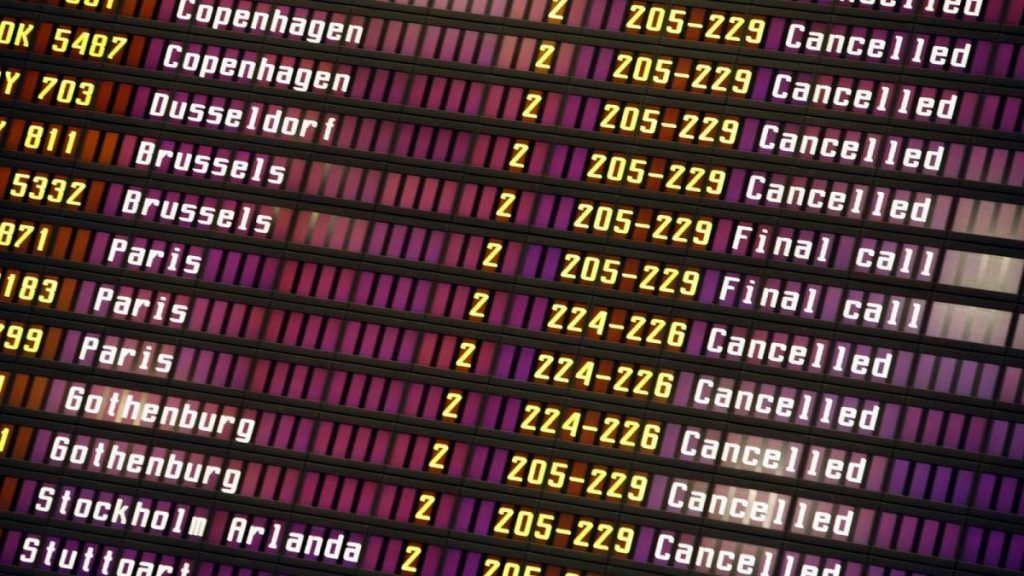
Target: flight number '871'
(24, 236)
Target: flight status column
(527, 288)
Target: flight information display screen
(512, 287)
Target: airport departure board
(512, 287)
